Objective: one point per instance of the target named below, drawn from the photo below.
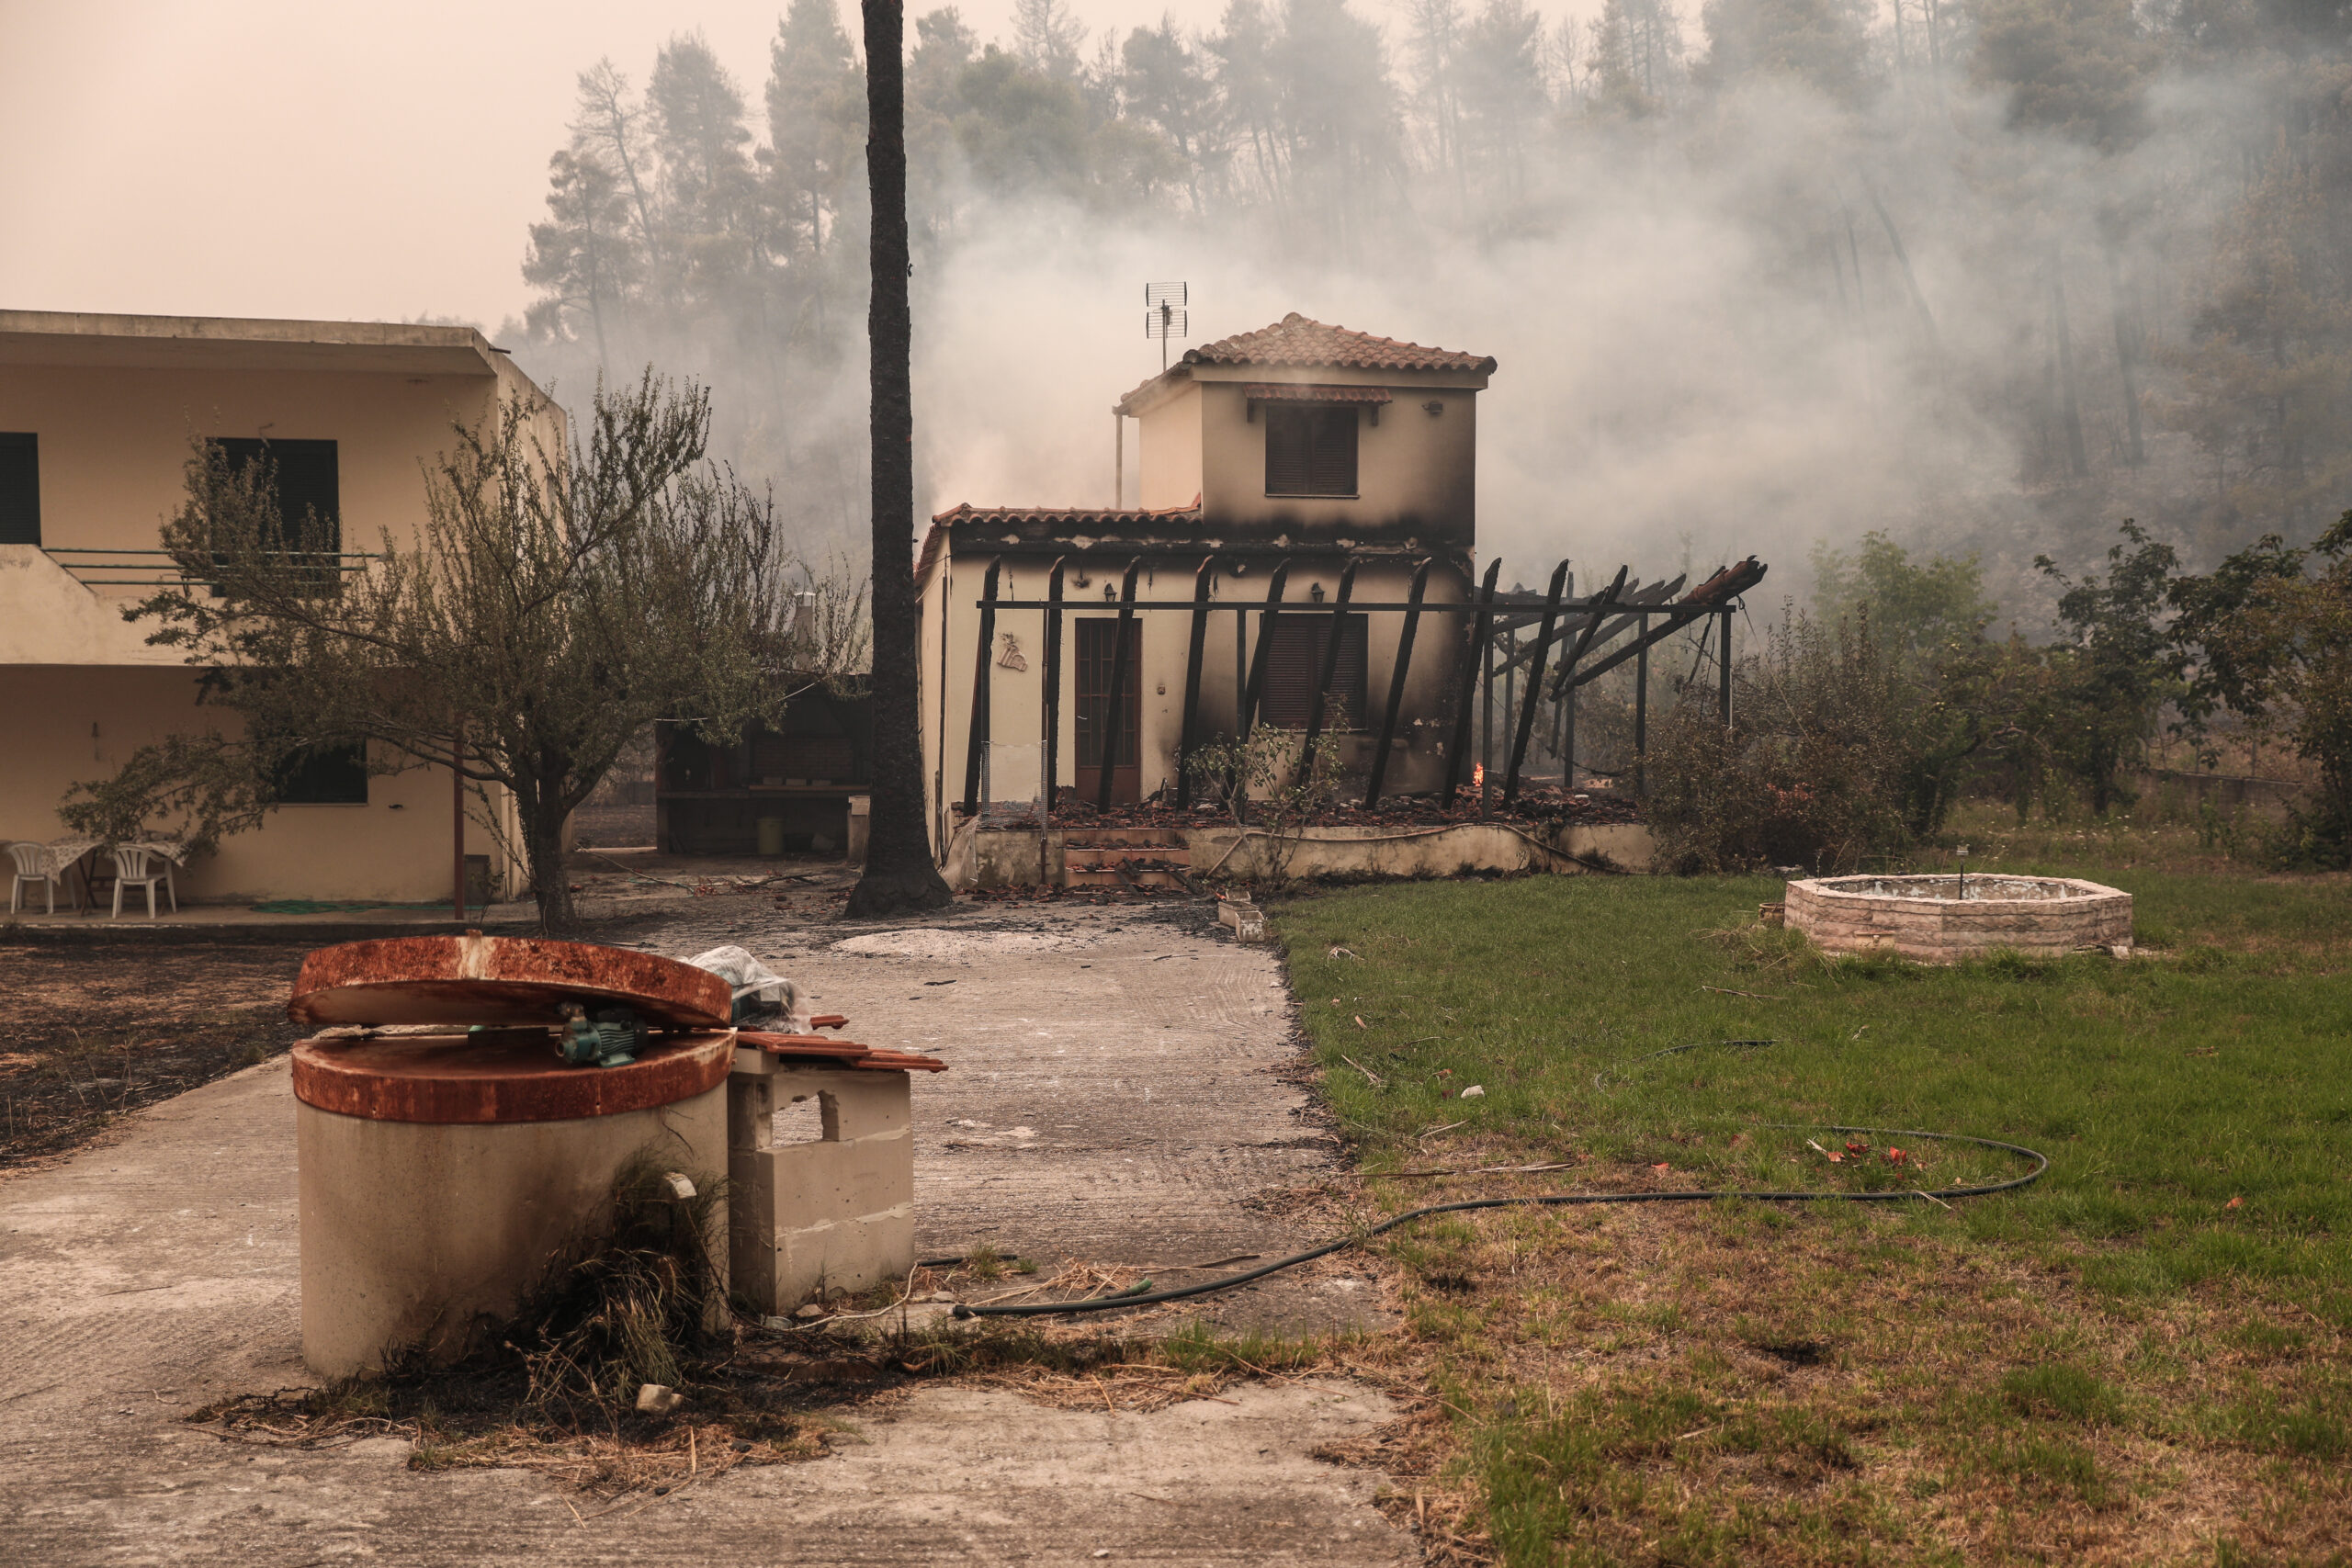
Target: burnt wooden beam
(975, 743)
(1592, 626)
(1648, 639)
(1189, 737)
(1720, 590)
(1053, 716)
(1640, 607)
(1330, 666)
(1535, 681)
(1725, 698)
(1266, 617)
(1115, 698)
(1397, 681)
(1568, 682)
(1468, 689)
(1641, 720)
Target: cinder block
(836, 1213)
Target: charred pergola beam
(1637, 605)
(1397, 681)
(977, 741)
(1053, 689)
(1114, 700)
(1597, 620)
(1535, 679)
(1189, 735)
(1331, 646)
(1256, 687)
(1481, 629)
(1722, 592)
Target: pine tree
(1163, 83)
(581, 258)
(816, 103)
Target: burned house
(1283, 476)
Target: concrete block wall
(834, 1213)
(1945, 930)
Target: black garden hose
(1554, 1200)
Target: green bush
(1814, 770)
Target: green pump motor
(611, 1037)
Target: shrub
(1823, 753)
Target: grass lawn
(2146, 1357)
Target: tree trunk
(542, 825)
(899, 876)
(2126, 356)
(2079, 462)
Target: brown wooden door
(1097, 639)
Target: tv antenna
(1164, 315)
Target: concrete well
(442, 1173)
(1942, 920)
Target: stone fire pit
(1941, 919)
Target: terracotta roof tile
(1062, 519)
(1295, 341)
(1073, 518)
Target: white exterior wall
(1415, 470)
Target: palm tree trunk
(899, 876)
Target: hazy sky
(276, 158)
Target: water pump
(610, 1037)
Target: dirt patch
(934, 944)
(93, 1031)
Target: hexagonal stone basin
(1942, 920)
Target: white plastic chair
(134, 866)
(27, 856)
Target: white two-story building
(97, 414)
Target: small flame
(1478, 775)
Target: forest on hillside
(1988, 275)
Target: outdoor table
(59, 856)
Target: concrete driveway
(1116, 1096)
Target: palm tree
(900, 876)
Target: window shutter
(1333, 463)
(1310, 450)
(1296, 680)
(1290, 670)
(20, 489)
(1288, 440)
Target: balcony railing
(160, 568)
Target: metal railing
(1589, 626)
(160, 568)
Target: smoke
(1748, 317)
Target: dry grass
(1737, 1385)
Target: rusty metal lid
(499, 1076)
(499, 979)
